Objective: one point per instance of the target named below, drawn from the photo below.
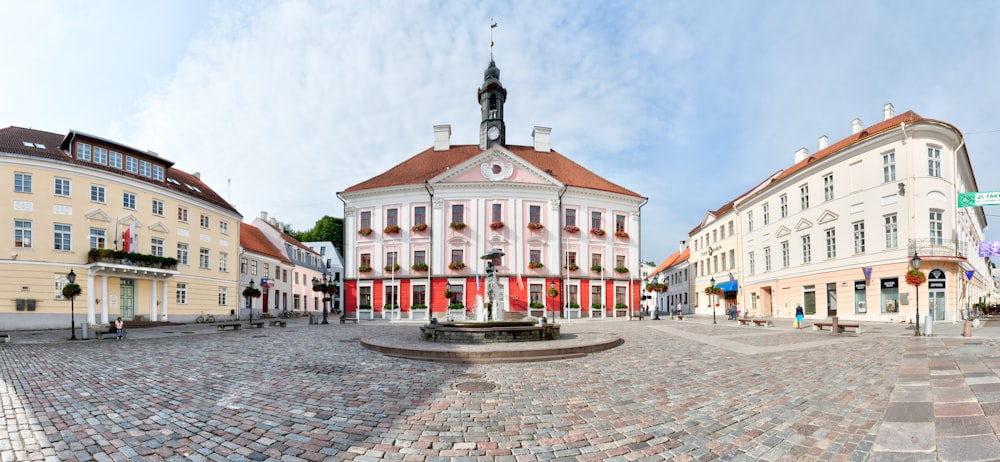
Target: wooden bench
(102, 334)
(256, 324)
(5, 338)
(344, 319)
(763, 322)
(234, 325)
(278, 323)
(840, 327)
(744, 321)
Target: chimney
(543, 141)
(442, 137)
(263, 216)
(824, 142)
(683, 245)
(801, 154)
(887, 111)
(856, 126)
(197, 175)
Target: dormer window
(145, 168)
(83, 151)
(131, 164)
(157, 173)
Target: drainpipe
(430, 254)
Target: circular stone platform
(567, 346)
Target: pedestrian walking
(799, 315)
(120, 328)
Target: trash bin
(83, 331)
(313, 318)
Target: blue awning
(729, 286)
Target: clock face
(493, 133)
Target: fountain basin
(489, 332)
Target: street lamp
(250, 291)
(712, 281)
(916, 265)
(328, 288)
(71, 277)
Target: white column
(104, 299)
(91, 303)
(152, 300)
(163, 301)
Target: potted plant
(391, 229)
(621, 233)
(496, 225)
(456, 306)
(365, 268)
(713, 290)
(621, 269)
(535, 264)
(535, 226)
(621, 306)
(571, 229)
(597, 232)
(457, 225)
(419, 227)
(572, 267)
(391, 268)
(365, 231)
(456, 265)
(596, 268)
(574, 305)
(419, 266)
(418, 306)
(595, 306)
(254, 292)
(71, 290)
(364, 307)
(553, 292)
(915, 277)
(536, 305)
(390, 306)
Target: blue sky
(281, 104)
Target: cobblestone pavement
(677, 390)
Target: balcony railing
(938, 248)
(121, 257)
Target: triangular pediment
(129, 220)
(497, 241)
(803, 224)
(782, 231)
(159, 227)
(827, 216)
(496, 165)
(99, 215)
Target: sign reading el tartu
(976, 199)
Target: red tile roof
(672, 260)
(254, 241)
(12, 141)
(430, 163)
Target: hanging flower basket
(656, 287)
(419, 227)
(254, 292)
(365, 231)
(71, 290)
(553, 292)
(535, 226)
(915, 277)
(713, 290)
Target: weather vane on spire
(493, 25)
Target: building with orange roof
(672, 282)
(288, 285)
(415, 234)
(839, 229)
(143, 239)
(259, 261)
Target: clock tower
(492, 95)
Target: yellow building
(144, 239)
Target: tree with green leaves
(326, 229)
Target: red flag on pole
(127, 240)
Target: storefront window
(890, 295)
(860, 305)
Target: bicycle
(204, 319)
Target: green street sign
(977, 199)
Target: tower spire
(493, 25)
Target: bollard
(83, 331)
(967, 329)
(835, 328)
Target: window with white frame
(767, 258)
(224, 262)
(204, 258)
(786, 258)
(62, 187)
(783, 205)
(128, 200)
(131, 164)
(806, 249)
(63, 237)
(750, 221)
(766, 213)
(100, 155)
(98, 238)
(182, 293)
(82, 151)
(223, 296)
(224, 227)
(936, 231)
(828, 187)
(158, 173)
(205, 222)
(157, 207)
(115, 160)
(182, 214)
(732, 259)
(22, 234)
(182, 253)
(365, 221)
(831, 242)
(97, 193)
(392, 217)
(804, 196)
(888, 167)
(891, 231)
(859, 236)
(933, 161)
(751, 267)
(156, 246)
(570, 217)
(22, 182)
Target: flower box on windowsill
(496, 225)
(419, 267)
(419, 227)
(456, 307)
(571, 229)
(390, 307)
(392, 229)
(365, 269)
(621, 234)
(596, 268)
(536, 305)
(535, 226)
(597, 232)
(456, 265)
(418, 307)
(535, 264)
(621, 269)
(391, 268)
(365, 231)
(572, 267)
(457, 225)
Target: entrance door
(831, 299)
(126, 300)
(936, 288)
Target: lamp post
(328, 288)
(249, 300)
(916, 265)
(71, 277)
(712, 281)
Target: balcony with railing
(945, 249)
